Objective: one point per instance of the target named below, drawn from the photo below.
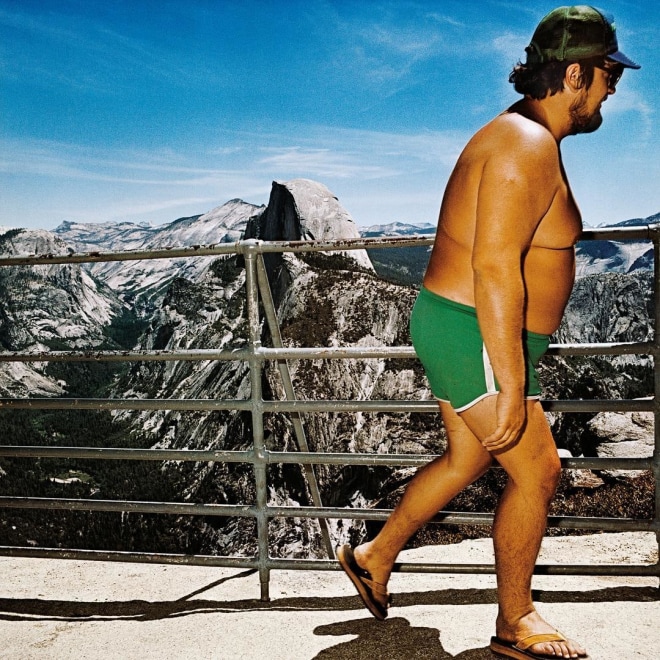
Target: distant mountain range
(140, 281)
(227, 223)
(617, 256)
(398, 229)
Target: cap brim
(622, 59)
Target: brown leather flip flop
(363, 582)
(520, 650)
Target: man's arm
(517, 187)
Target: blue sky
(150, 111)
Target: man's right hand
(511, 414)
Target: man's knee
(541, 478)
(548, 474)
(552, 475)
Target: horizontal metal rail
(256, 356)
(222, 249)
(648, 232)
(641, 570)
(273, 354)
(252, 511)
(307, 406)
(281, 457)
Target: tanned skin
(505, 245)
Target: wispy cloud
(363, 153)
(74, 162)
(510, 46)
(316, 150)
(408, 42)
(91, 56)
(384, 46)
(323, 163)
(445, 19)
(88, 184)
(158, 206)
(631, 101)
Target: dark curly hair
(541, 80)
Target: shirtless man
(499, 277)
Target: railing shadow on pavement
(36, 609)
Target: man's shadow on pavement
(394, 639)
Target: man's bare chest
(561, 226)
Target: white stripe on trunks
(488, 373)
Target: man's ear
(574, 77)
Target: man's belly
(548, 276)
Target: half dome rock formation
(305, 210)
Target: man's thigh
(535, 451)
(463, 447)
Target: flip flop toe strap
(376, 586)
(527, 642)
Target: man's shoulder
(521, 131)
(513, 137)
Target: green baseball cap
(576, 33)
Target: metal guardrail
(257, 287)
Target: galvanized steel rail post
(271, 318)
(250, 252)
(654, 234)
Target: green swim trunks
(447, 339)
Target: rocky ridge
(322, 300)
(47, 307)
(144, 283)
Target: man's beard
(581, 120)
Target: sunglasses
(614, 73)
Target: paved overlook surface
(58, 609)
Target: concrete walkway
(76, 610)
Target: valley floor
(59, 609)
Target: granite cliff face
(144, 283)
(46, 307)
(609, 307)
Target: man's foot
(534, 638)
(374, 594)
(522, 649)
